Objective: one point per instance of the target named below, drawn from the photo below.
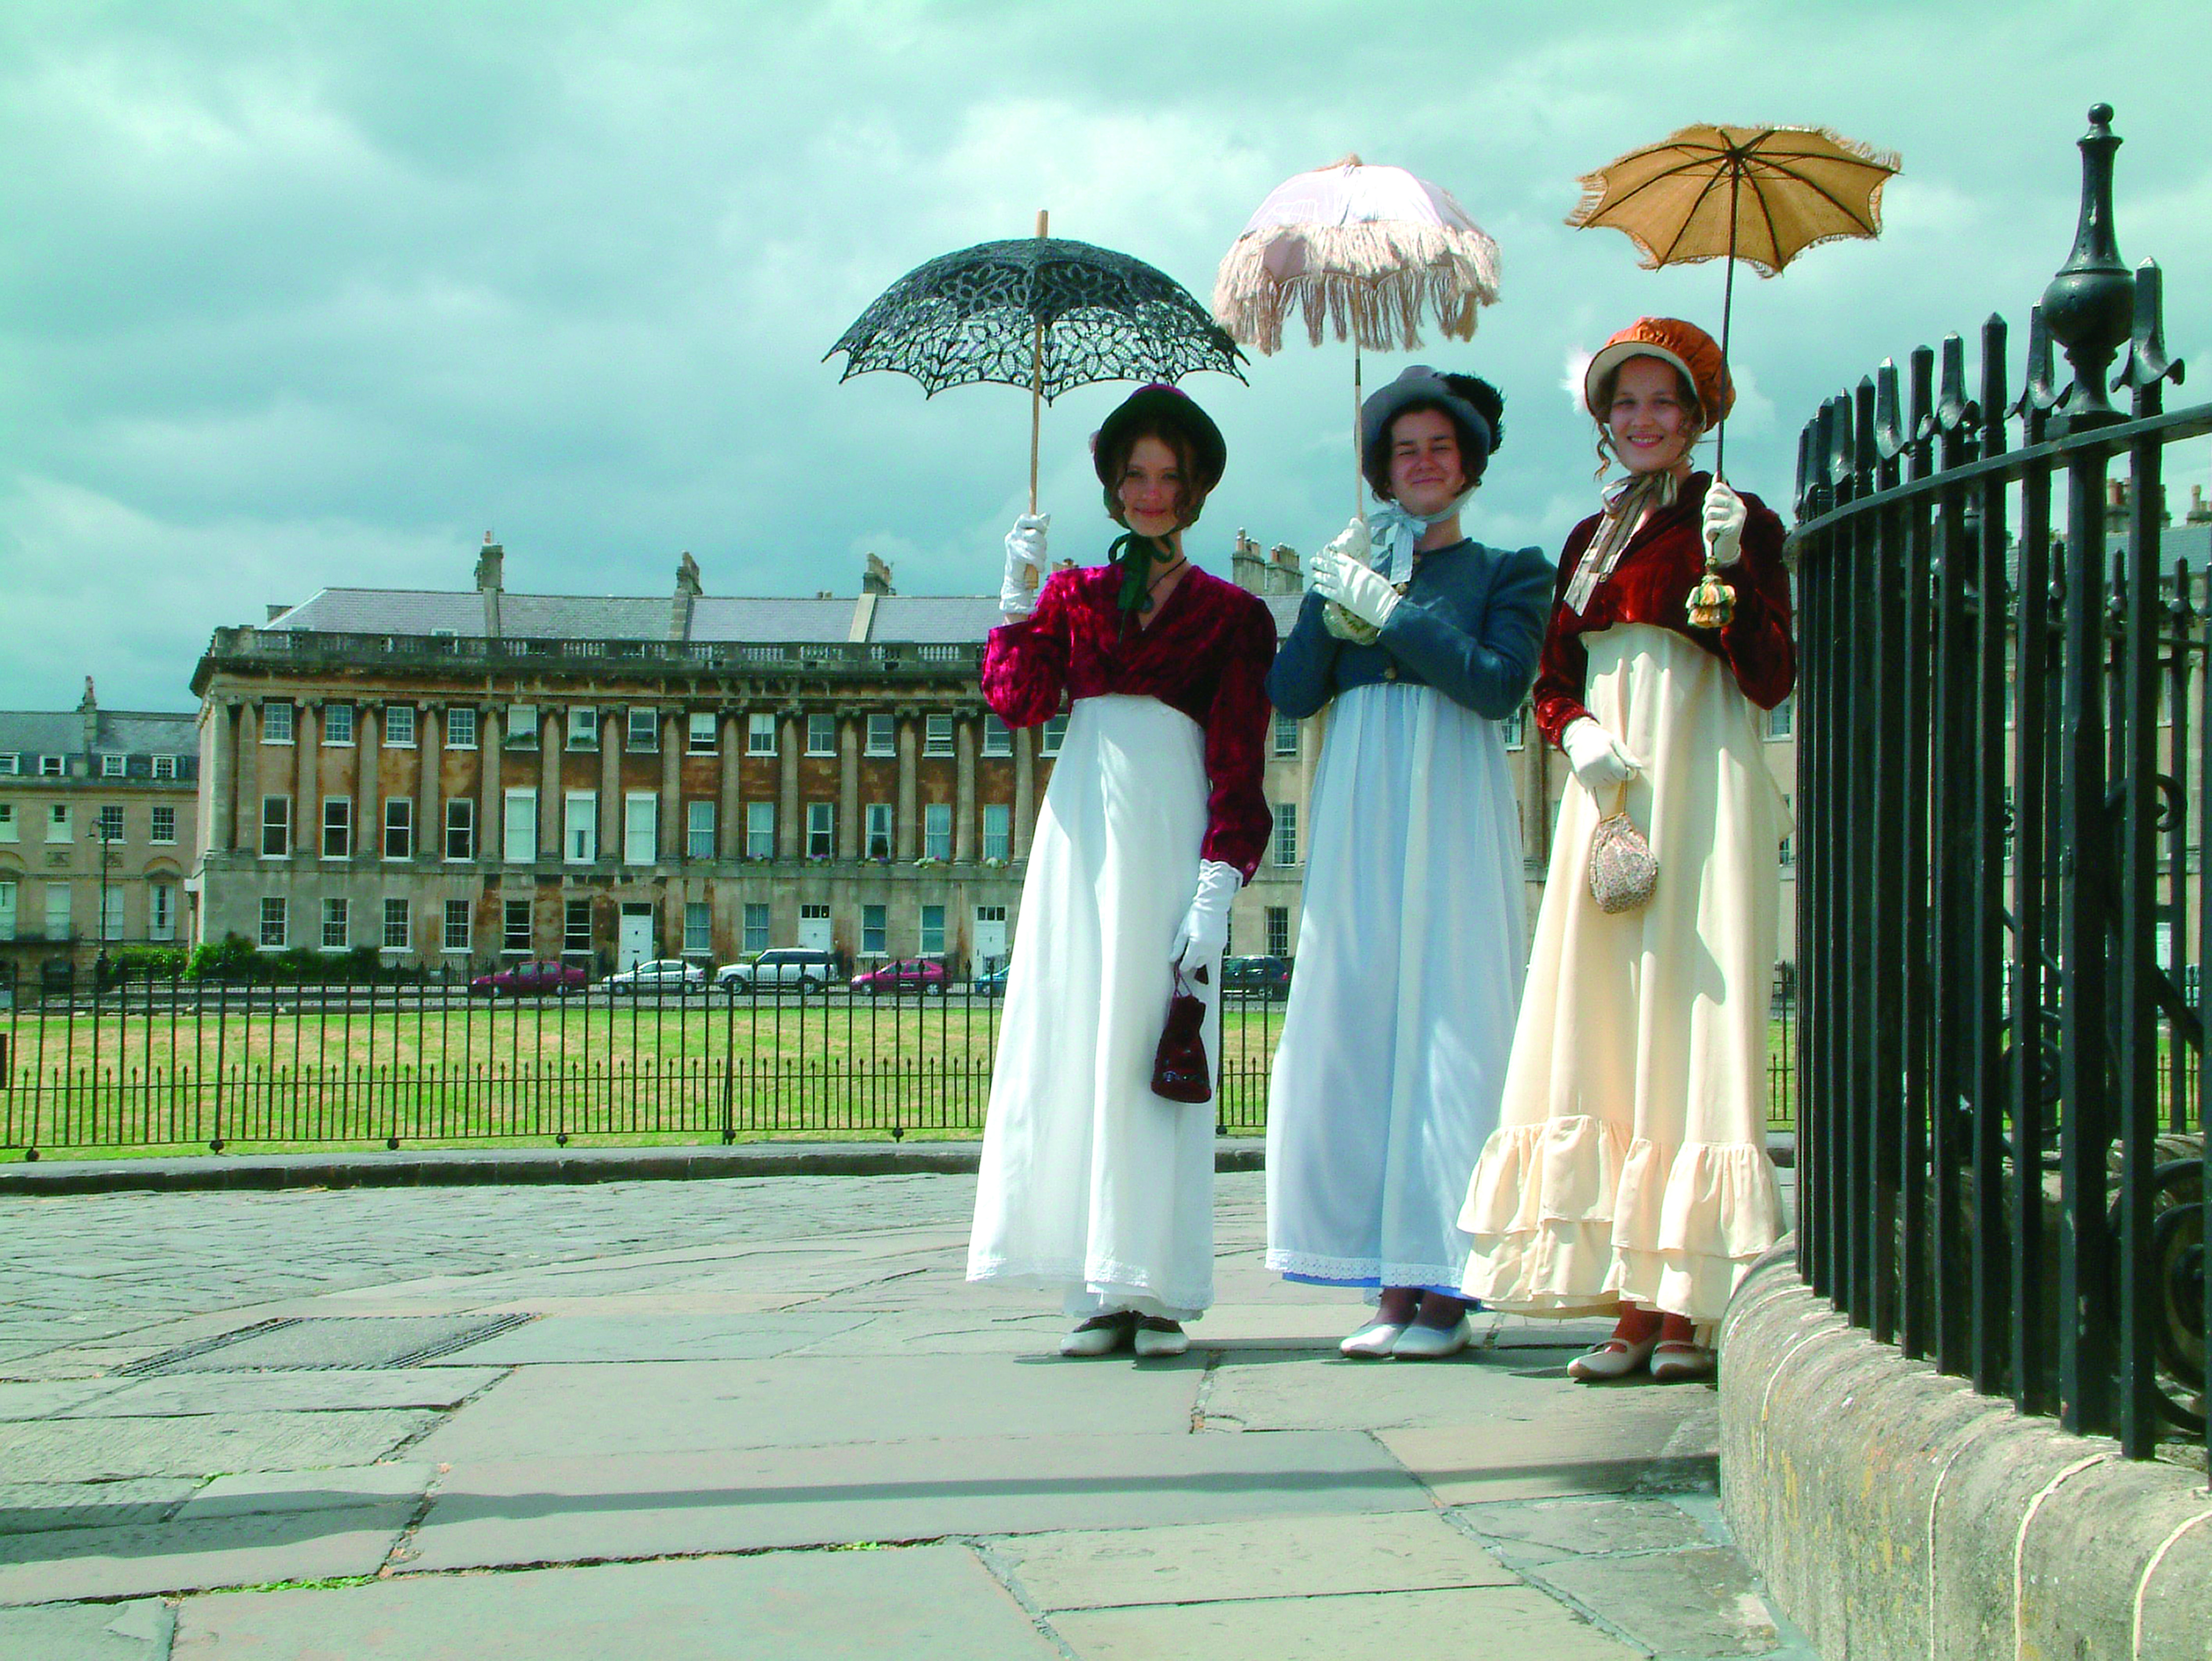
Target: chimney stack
(687, 591)
(876, 577)
(89, 712)
(492, 571)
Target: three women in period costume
(1586, 1140)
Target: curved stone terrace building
(455, 776)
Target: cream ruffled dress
(1629, 1162)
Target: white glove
(1599, 762)
(1025, 554)
(1350, 543)
(1724, 517)
(1204, 932)
(1365, 594)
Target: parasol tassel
(1712, 602)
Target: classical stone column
(848, 786)
(963, 792)
(907, 830)
(550, 727)
(307, 791)
(367, 768)
(220, 781)
(491, 833)
(671, 786)
(787, 827)
(610, 801)
(1025, 790)
(729, 833)
(429, 806)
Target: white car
(661, 975)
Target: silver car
(802, 969)
(662, 974)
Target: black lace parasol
(1040, 311)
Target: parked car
(797, 966)
(1263, 977)
(525, 980)
(662, 974)
(904, 975)
(992, 985)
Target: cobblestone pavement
(769, 1418)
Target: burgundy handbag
(1179, 1070)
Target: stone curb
(1891, 1510)
(452, 1167)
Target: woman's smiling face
(1427, 473)
(1649, 421)
(1151, 485)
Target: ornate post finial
(2089, 305)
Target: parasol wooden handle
(1037, 400)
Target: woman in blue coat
(1412, 939)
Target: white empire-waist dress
(1411, 937)
(1090, 1185)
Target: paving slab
(325, 1389)
(1568, 1441)
(1306, 1391)
(1542, 1531)
(52, 1399)
(583, 1410)
(279, 1493)
(645, 1337)
(564, 1511)
(40, 1507)
(1267, 1557)
(89, 1632)
(922, 1603)
(180, 1557)
(942, 1332)
(1703, 1601)
(98, 1449)
(1498, 1623)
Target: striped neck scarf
(1626, 501)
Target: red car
(905, 975)
(530, 980)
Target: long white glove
(1204, 932)
(1365, 594)
(1352, 542)
(1724, 517)
(1596, 755)
(1025, 554)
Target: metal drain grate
(318, 1343)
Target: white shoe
(1673, 1362)
(1102, 1334)
(1423, 1343)
(1372, 1341)
(1158, 1337)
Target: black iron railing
(2001, 899)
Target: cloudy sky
(298, 294)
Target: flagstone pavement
(767, 1418)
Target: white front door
(814, 927)
(634, 945)
(989, 945)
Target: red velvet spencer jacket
(1650, 583)
(1205, 654)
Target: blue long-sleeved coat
(1471, 624)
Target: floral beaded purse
(1622, 871)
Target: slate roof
(928, 619)
(135, 733)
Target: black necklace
(1145, 604)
